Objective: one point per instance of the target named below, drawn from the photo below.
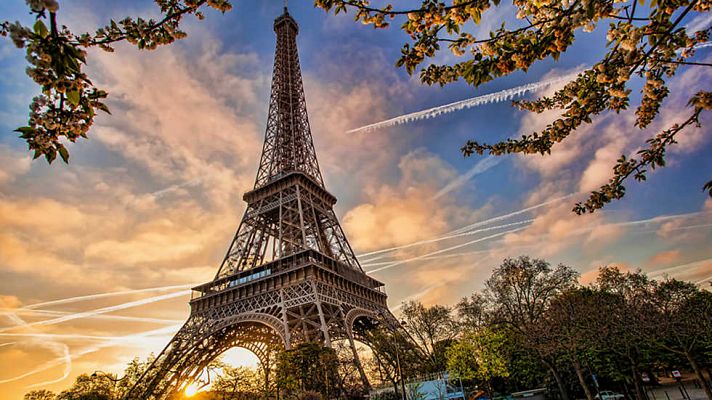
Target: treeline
(532, 325)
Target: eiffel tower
(289, 276)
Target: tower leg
(357, 362)
(322, 320)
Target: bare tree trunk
(699, 374)
(557, 377)
(636, 382)
(582, 379)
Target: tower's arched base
(311, 309)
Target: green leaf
(64, 154)
(50, 155)
(24, 129)
(41, 29)
(73, 97)
(103, 108)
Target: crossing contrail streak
(659, 272)
(445, 249)
(103, 310)
(461, 254)
(512, 214)
(64, 336)
(480, 167)
(52, 313)
(77, 299)
(51, 345)
(468, 227)
(67, 360)
(657, 219)
(496, 97)
(447, 237)
(129, 339)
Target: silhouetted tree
(40, 395)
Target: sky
(96, 256)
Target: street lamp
(108, 376)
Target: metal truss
(289, 275)
(288, 142)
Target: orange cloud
(665, 257)
(591, 275)
(7, 301)
(406, 212)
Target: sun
(191, 390)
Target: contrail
(699, 23)
(67, 360)
(64, 336)
(103, 310)
(103, 295)
(447, 237)
(512, 214)
(425, 291)
(160, 193)
(576, 232)
(659, 272)
(52, 345)
(438, 257)
(52, 313)
(415, 296)
(468, 227)
(91, 349)
(496, 97)
(445, 249)
(481, 166)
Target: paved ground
(672, 392)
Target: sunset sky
(152, 199)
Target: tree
(684, 315)
(577, 324)
(90, 387)
(630, 317)
(308, 367)
(520, 291)
(649, 42)
(478, 356)
(40, 395)
(472, 311)
(431, 329)
(238, 383)
(394, 356)
(133, 373)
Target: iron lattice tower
(289, 275)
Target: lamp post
(108, 376)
